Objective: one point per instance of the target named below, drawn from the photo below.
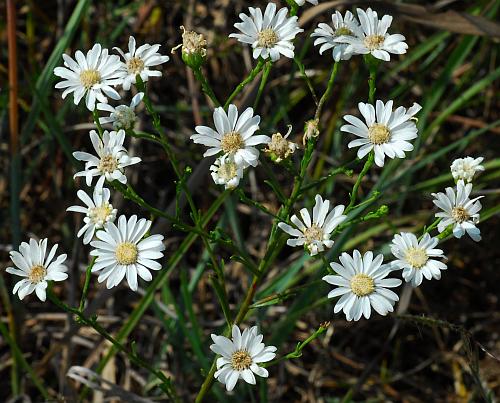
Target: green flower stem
(88, 274)
(430, 228)
(205, 86)
(165, 144)
(446, 233)
(95, 114)
(129, 193)
(263, 82)
(165, 385)
(300, 346)
(373, 215)
(256, 70)
(329, 89)
(372, 64)
(354, 193)
(302, 70)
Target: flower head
(314, 234)
(373, 37)
(110, 161)
(271, 34)
(36, 268)
(459, 210)
(327, 36)
(387, 132)
(466, 168)
(98, 211)
(225, 171)
(122, 116)
(92, 76)
(140, 61)
(363, 285)
(416, 258)
(241, 356)
(233, 136)
(121, 250)
(279, 148)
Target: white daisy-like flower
(98, 211)
(363, 285)
(417, 259)
(241, 356)
(121, 250)
(139, 61)
(36, 268)
(459, 210)
(314, 234)
(271, 34)
(92, 76)
(225, 171)
(373, 37)
(122, 116)
(466, 168)
(387, 132)
(233, 136)
(327, 36)
(111, 159)
(302, 2)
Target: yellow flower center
(231, 142)
(37, 274)
(241, 360)
(460, 214)
(126, 253)
(343, 31)
(378, 134)
(135, 65)
(90, 77)
(228, 171)
(267, 38)
(100, 214)
(373, 42)
(108, 163)
(417, 257)
(313, 233)
(362, 284)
